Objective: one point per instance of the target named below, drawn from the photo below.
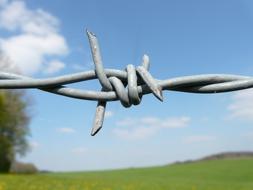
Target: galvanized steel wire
(128, 86)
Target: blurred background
(45, 38)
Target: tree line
(14, 121)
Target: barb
(128, 86)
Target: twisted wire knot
(128, 86)
(127, 97)
(127, 92)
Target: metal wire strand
(128, 86)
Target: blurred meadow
(45, 139)
(228, 174)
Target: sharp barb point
(145, 62)
(89, 33)
(145, 56)
(99, 118)
(158, 93)
(137, 80)
(94, 131)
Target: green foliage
(205, 175)
(13, 127)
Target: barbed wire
(128, 86)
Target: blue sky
(47, 38)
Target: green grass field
(230, 174)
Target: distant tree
(23, 168)
(14, 120)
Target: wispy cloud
(142, 128)
(79, 67)
(109, 114)
(87, 65)
(79, 150)
(3, 2)
(54, 66)
(66, 130)
(34, 144)
(135, 133)
(241, 106)
(169, 122)
(198, 139)
(248, 135)
(35, 38)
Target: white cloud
(135, 133)
(241, 106)
(16, 16)
(34, 144)
(54, 66)
(247, 135)
(169, 122)
(79, 150)
(198, 139)
(37, 39)
(66, 130)
(141, 128)
(28, 51)
(3, 2)
(108, 114)
(86, 65)
(79, 67)
(126, 122)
